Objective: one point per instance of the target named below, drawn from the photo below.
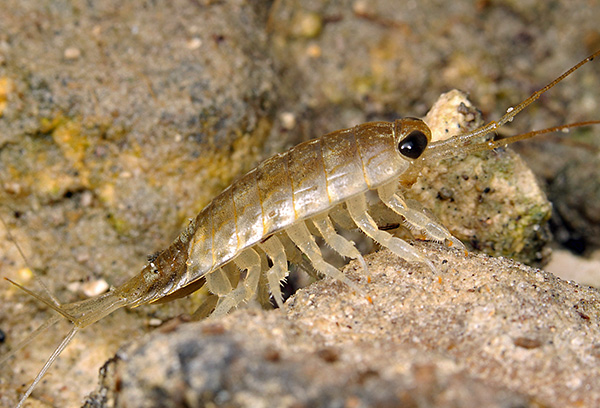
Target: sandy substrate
(483, 332)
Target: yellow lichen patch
(121, 225)
(37, 170)
(50, 183)
(7, 86)
(106, 194)
(50, 161)
(69, 137)
(47, 125)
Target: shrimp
(247, 234)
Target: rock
(482, 332)
(576, 192)
(490, 200)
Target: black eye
(413, 145)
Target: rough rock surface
(490, 200)
(482, 332)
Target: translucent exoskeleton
(249, 233)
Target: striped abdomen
(309, 179)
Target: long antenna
(44, 301)
(494, 144)
(12, 239)
(462, 141)
(49, 362)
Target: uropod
(247, 234)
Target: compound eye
(413, 145)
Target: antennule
(493, 144)
(463, 141)
(443, 150)
(30, 337)
(46, 302)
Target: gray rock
(576, 192)
(483, 332)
